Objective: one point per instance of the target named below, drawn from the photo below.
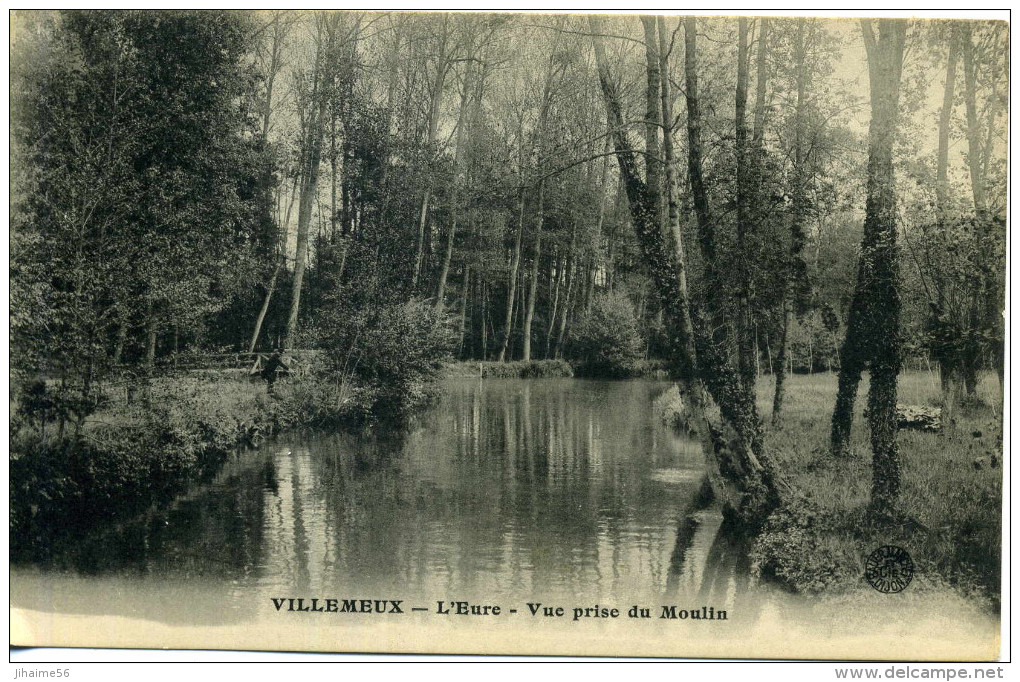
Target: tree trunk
(529, 313)
(736, 454)
(462, 122)
(949, 362)
(485, 338)
(672, 227)
(571, 275)
(463, 309)
(122, 332)
(555, 275)
(761, 85)
(309, 183)
(794, 267)
(971, 354)
(653, 119)
(744, 194)
(515, 264)
(265, 302)
(973, 125)
(873, 327)
(442, 66)
(276, 48)
(945, 118)
(150, 346)
(539, 146)
(784, 341)
(699, 194)
(596, 244)
(738, 405)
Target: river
(526, 495)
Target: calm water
(562, 492)
(551, 487)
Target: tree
(794, 267)
(873, 334)
(140, 137)
(311, 113)
(555, 67)
(270, 58)
(737, 450)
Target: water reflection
(506, 488)
(561, 492)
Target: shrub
(651, 369)
(134, 454)
(519, 369)
(607, 341)
(393, 354)
(671, 409)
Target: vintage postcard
(509, 333)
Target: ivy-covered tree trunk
(746, 349)
(742, 473)
(873, 327)
(736, 403)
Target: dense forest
(718, 198)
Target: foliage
(394, 353)
(130, 454)
(606, 342)
(144, 190)
(134, 453)
(814, 340)
(519, 369)
(671, 410)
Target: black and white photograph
(509, 333)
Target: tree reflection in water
(506, 489)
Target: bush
(519, 369)
(392, 354)
(671, 410)
(133, 455)
(607, 341)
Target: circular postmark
(889, 569)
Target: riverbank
(131, 455)
(142, 449)
(950, 503)
(516, 369)
(543, 369)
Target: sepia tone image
(508, 333)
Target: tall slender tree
(793, 268)
(873, 335)
(748, 481)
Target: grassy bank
(950, 502)
(516, 369)
(546, 369)
(133, 453)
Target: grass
(515, 369)
(541, 369)
(949, 508)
